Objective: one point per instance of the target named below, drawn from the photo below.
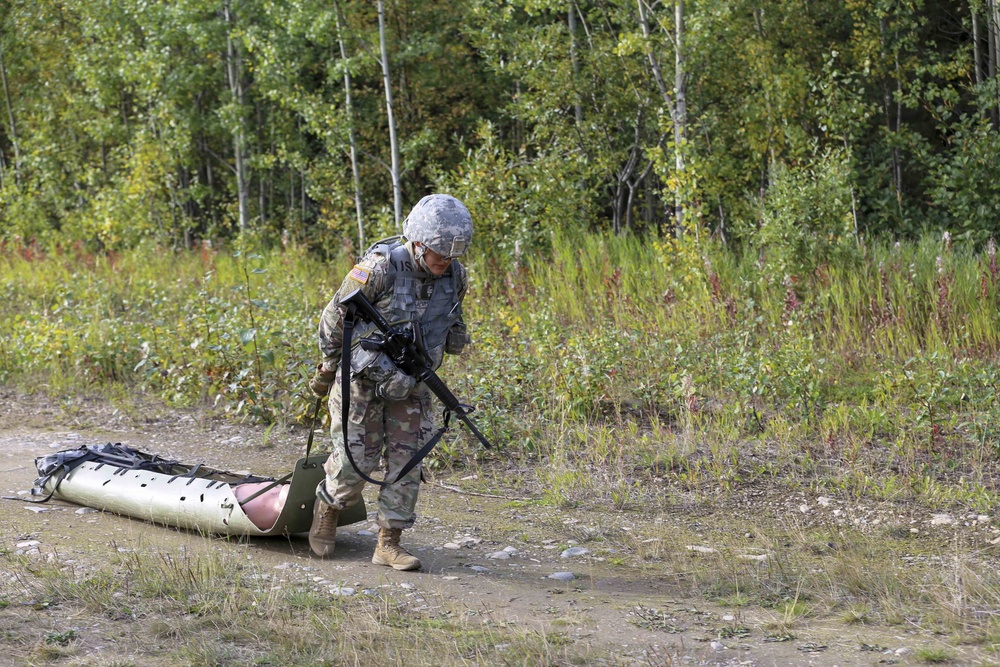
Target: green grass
(213, 607)
(643, 359)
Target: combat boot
(388, 552)
(323, 532)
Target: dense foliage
(186, 120)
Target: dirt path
(635, 612)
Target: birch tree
(356, 179)
(397, 194)
(234, 75)
(678, 108)
(12, 125)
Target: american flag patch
(359, 274)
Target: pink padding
(265, 508)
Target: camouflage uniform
(378, 426)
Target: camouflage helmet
(442, 223)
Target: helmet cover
(442, 223)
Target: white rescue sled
(122, 480)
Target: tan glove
(396, 387)
(321, 381)
(390, 383)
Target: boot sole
(322, 553)
(402, 568)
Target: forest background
(175, 122)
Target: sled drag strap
(312, 426)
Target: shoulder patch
(359, 274)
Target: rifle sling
(345, 391)
(345, 402)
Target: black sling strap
(345, 402)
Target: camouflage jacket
(389, 278)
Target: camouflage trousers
(378, 429)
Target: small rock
(511, 550)
(284, 566)
(407, 585)
(37, 510)
(366, 533)
(451, 545)
(85, 510)
(342, 591)
(450, 578)
(728, 617)
(804, 509)
(28, 544)
(701, 550)
(718, 646)
(824, 501)
(562, 576)
(574, 551)
(478, 568)
(902, 651)
(499, 555)
(983, 518)
(942, 520)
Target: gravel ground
(498, 553)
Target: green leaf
(247, 335)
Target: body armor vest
(417, 296)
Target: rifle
(404, 347)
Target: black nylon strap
(345, 401)
(312, 426)
(60, 475)
(425, 450)
(345, 391)
(267, 488)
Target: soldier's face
(436, 264)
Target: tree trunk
(977, 58)
(10, 118)
(350, 134)
(397, 194)
(571, 22)
(633, 187)
(234, 72)
(994, 31)
(302, 194)
(680, 112)
(263, 179)
(675, 112)
(897, 156)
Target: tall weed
(883, 359)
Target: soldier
(410, 279)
